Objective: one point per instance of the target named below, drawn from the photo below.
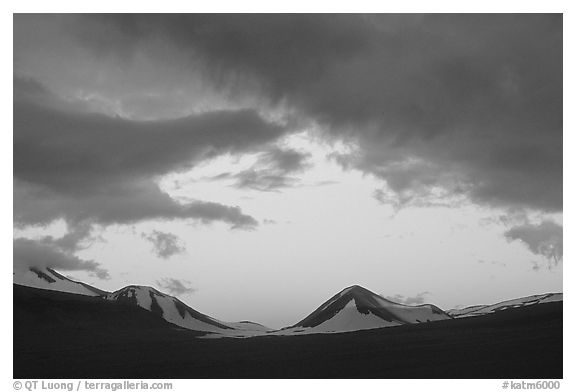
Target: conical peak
(137, 287)
(356, 291)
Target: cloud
(272, 171)
(78, 236)
(263, 180)
(29, 253)
(543, 239)
(165, 244)
(77, 153)
(461, 103)
(263, 46)
(92, 169)
(86, 167)
(176, 286)
(117, 204)
(442, 108)
(284, 160)
(417, 299)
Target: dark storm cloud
(75, 153)
(463, 104)
(542, 239)
(116, 204)
(272, 171)
(29, 253)
(417, 299)
(87, 167)
(166, 245)
(284, 51)
(176, 286)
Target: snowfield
(48, 279)
(479, 310)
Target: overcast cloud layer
(436, 106)
(467, 103)
(79, 165)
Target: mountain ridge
(357, 308)
(166, 306)
(352, 309)
(479, 310)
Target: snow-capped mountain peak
(49, 279)
(353, 308)
(168, 307)
(356, 308)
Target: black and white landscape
(67, 329)
(288, 196)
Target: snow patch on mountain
(178, 313)
(48, 279)
(169, 308)
(350, 319)
(356, 308)
(480, 310)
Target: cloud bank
(465, 104)
(440, 107)
(83, 166)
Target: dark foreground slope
(59, 335)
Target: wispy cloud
(273, 170)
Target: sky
(255, 165)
